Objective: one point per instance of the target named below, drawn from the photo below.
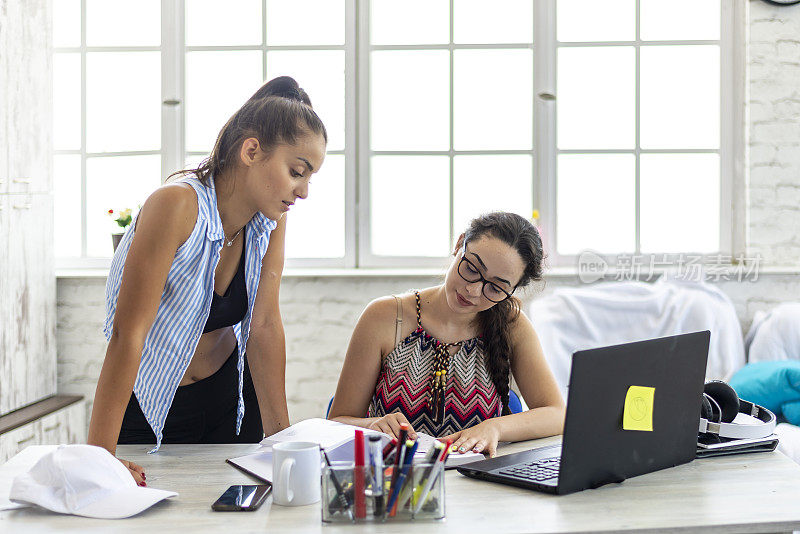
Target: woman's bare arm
(266, 344)
(164, 223)
(369, 343)
(538, 387)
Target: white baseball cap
(84, 480)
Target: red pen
(358, 477)
(387, 450)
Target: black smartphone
(241, 498)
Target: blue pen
(407, 461)
(399, 462)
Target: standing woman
(192, 294)
(441, 358)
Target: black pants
(202, 412)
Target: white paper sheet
(455, 459)
(337, 440)
(258, 464)
(328, 434)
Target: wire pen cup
(419, 495)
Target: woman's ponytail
(279, 112)
(495, 323)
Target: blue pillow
(791, 412)
(770, 384)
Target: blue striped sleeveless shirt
(185, 303)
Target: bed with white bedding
(609, 313)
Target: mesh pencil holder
(418, 495)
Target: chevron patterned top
(404, 385)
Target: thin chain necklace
(229, 242)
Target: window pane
(123, 101)
(410, 205)
(321, 74)
(490, 183)
(305, 22)
(590, 20)
(214, 23)
(67, 101)
(123, 23)
(672, 20)
(497, 117)
(116, 183)
(66, 23)
(596, 203)
(210, 105)
(596, 98)
(395, 22)
(192, 161)
(680, 202)
(505, 21)
(680, 96)
(409, 97)
(67, 205)
(315, 227)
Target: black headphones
(720, 406)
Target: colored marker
(428, 484)
(430, 462)
(376, 462)
(398, 456)
(341, 498)
(411, 448)
(359, 492)
(387, 450)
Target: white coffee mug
(296, 473)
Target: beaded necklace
(441, 361)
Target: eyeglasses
(470, 273)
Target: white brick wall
(773, 86)
(319, 313)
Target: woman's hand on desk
(136, 471)
(390, 424)
(482, 437)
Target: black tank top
(230, 308)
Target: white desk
(745, 493)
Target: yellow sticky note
(638, 412)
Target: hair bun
(284, 87)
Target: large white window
(230, 49)
(607, 117)
(641, 164)
(107, 117)
(446, 131)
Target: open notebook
(336, 438)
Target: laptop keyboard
(536, 471)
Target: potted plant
(123, 219)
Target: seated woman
(447, 373)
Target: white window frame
(357, 150)
(173, 152)
(732, 228)
(179, 50)
(366, 257)
(85, 262)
